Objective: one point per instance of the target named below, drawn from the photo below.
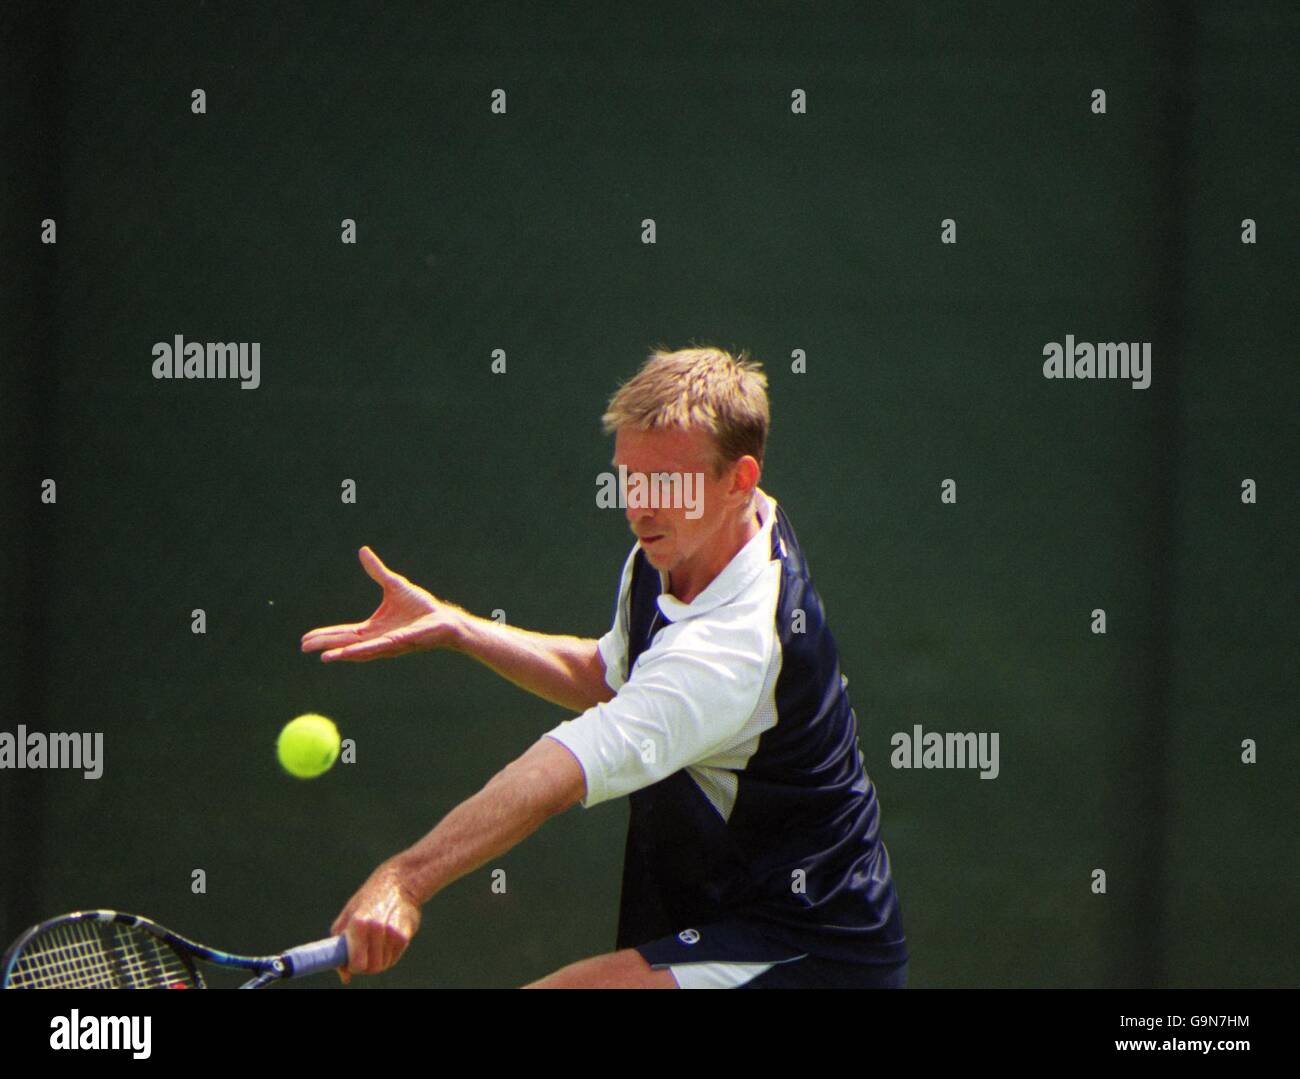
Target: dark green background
(775, 232)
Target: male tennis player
(715, 703)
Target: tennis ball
(308, 746)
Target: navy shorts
(737, 955)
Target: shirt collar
(736, 574)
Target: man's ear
(745, 475)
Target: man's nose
(638, 514)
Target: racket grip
(318, 956)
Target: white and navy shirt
(732, 732)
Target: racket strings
(67, 956)
(148, 962)
(91, 955)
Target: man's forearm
(515, 803)
(567, 671)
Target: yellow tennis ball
(308, 746)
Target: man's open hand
(408, 619)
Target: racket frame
(266, 968)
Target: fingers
(403, 604)
(377, 571)
(332, 636)
(358, 949)
(341, 922)
(374, 946)
(379, 922)
(386, 645)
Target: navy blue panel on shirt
(803, 803)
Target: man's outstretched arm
(568, 671)
(385, 913)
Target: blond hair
(698, 387)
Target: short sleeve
(613, 645)
(687, 699)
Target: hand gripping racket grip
(318, 956)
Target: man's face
(670, 538)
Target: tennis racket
(105, 949)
